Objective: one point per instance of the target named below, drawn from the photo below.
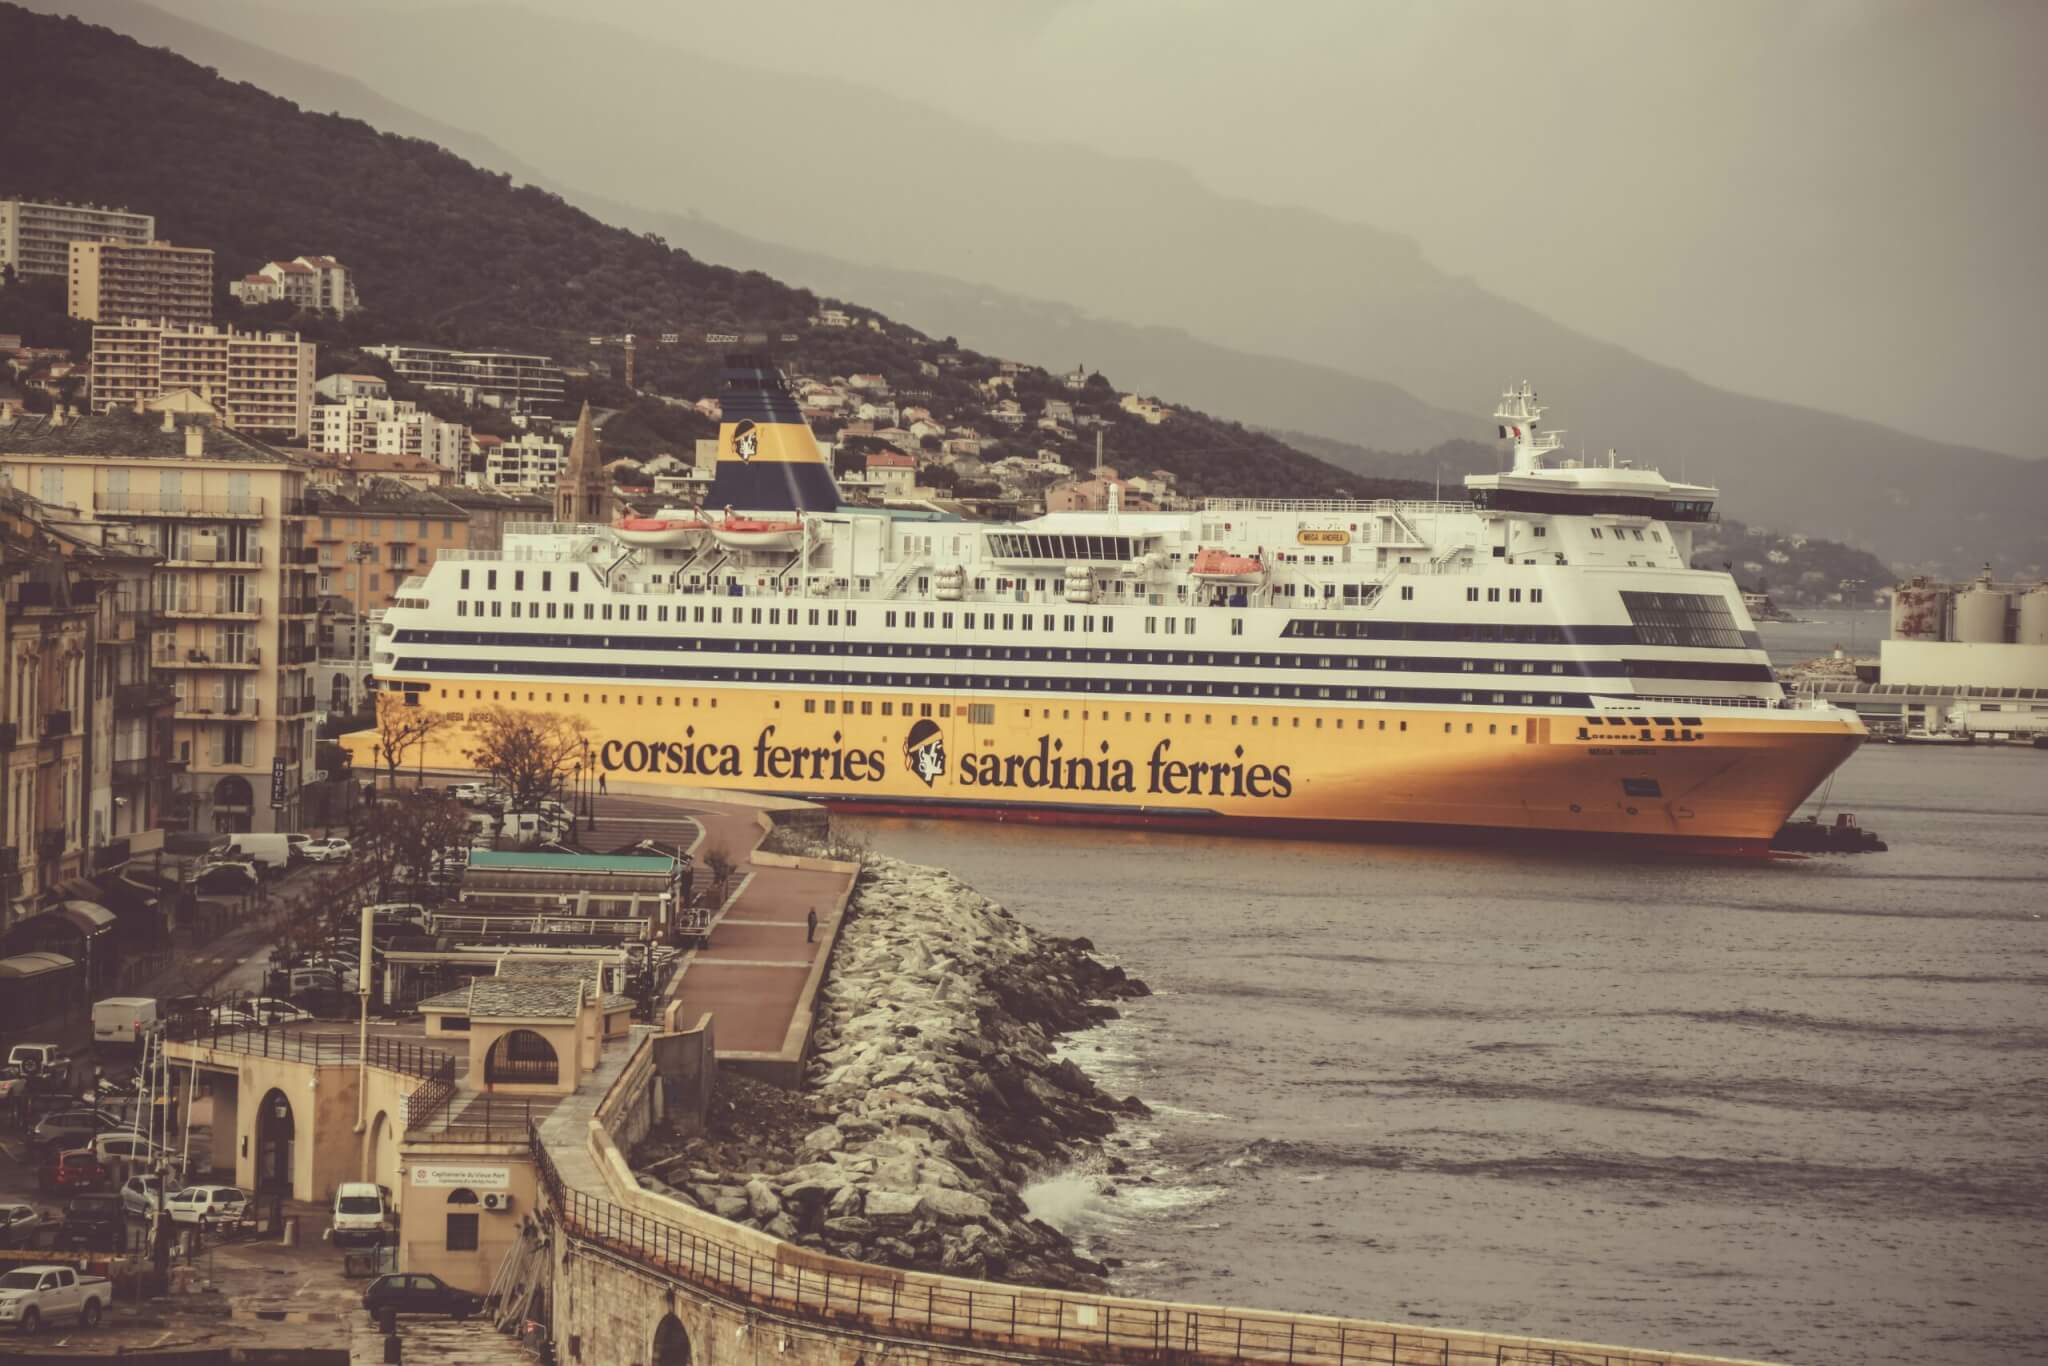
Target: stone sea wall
(933, 1096)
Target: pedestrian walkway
(760, 971)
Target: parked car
(276, 1011)
(233, 1017)
(17, 1223)
(39, 1059)
(124, 1145)
(74, 1169)
(94, 1222)
(469, 794)
(63, 1129)
(31, 1296)
(209, 1204)
(415, 1293)
(331, 849)
(226, 879)
(142, 1195)
(362, 1210)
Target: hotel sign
(475, 1178)
(1323, 537)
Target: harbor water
(1790, 1109)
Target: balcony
(57, 723)
(298, 607)
(214, 707)
(139, 699)
(293, 507)
(137, 770)
(249, 657)
(300, 705)
(250, 557)
(50, 842)
(291, 655)
(244, 609)
(178, 505)
(305, 554)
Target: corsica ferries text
(923, 755)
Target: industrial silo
(1980, 613)
(2033, 628)
(1919, 610)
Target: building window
(462, 1223)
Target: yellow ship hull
(1723, 782)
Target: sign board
(1323, 537)
(277, 789)
(475, 1178)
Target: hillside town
(207, 513)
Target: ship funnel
(768, 460)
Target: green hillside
(447, 253)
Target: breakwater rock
(933, 1095)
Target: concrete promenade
(760, 973)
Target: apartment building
(390, 427)
(258, 382)
(114, 282)
(318, 284)
(492, 510)
(231, 613)
(372, 536)
(496, 379)
(36, 237)
(529, 461)
(46, 621)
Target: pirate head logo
(924, 751)
(745, 441)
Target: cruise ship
(1539, 662)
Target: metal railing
(1040, 1323)
(178, 504)
(1366, 507)
(491, 1119)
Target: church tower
(583, 492)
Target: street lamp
(589, 800)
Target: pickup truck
(31, 1296)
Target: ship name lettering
(816, 763)
(1198, 779)
(687, 756)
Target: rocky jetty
(933, 1097)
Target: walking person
(811, 925)
(602, 790)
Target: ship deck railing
(1374, 506)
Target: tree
(407, 832)
(400, 726)
(530, 754)
(718, 861)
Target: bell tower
(583, 492)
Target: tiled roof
(530, 969)
(457, 999)
(525, 998)
(616, 1002)
(130, 435)
(379, 496)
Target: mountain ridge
(1118, 239)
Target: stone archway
(276, 1135)
(523, 1057)
(671, 1344)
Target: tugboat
(1845, 836)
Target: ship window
(923, 709)
(465, 581)
(1514, 595)
(1596, 533)
(1407, 592)
(490, 580)
(810, 705)
(519, 580)
(853, 618)
(1542, 531)
(461, 608)
(1535, 595)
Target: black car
(415, 1293)
(94, 1223)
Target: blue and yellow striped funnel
(768, 461)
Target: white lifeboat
(1220, 566)
(672, 527)
(757, 533)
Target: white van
(121, 1021)
(270, 853)
(531, 827)
(361, 1213)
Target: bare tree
(407, 832)
(401, 726)
(529, 753)
(718, 862)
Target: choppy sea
(1795, 1110)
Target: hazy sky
(1833, 203)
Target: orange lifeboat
(1220, 566)
(671, 528)
(753, 533)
